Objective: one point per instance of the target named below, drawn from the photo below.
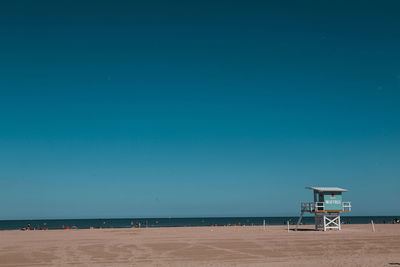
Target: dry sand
(355, 245)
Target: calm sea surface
(174, 222)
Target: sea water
(178, 222)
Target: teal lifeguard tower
(327, 206)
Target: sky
(113, 109)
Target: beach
(354, 245)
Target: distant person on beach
(26, 228)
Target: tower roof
(327, 189)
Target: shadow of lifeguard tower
(326, 207)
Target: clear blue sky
(205, 108)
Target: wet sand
(355, 245)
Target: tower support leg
(319, 221)
(332, 221)
(299, 221)
(327, 221)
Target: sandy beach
(355, 245)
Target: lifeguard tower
(326, 207)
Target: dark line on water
(177, 222)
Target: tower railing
(312, 206)
(346, 206)
(320, 206)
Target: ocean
(177, 222)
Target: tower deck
(319, 207)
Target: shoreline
(283, 226)
(179, 222)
